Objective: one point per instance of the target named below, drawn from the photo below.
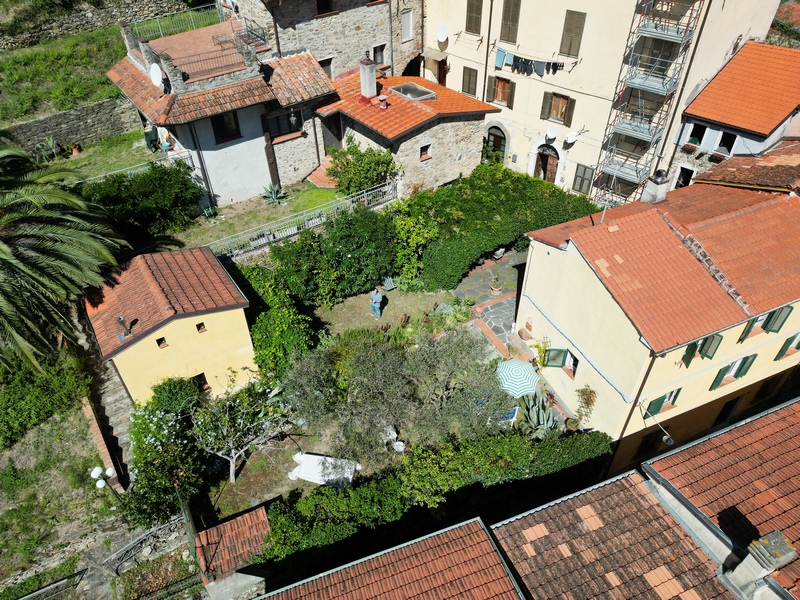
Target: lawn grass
(241, 216)
(58, 74)
(115, 153)
(33, 583)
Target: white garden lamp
(100, 475)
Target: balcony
(656, 75)
(627, 166)
(665, 30)
(637, 125)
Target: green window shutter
(491, 86)
(512, 86)
(745, 366)
(474, 11)
(555, 357)
(785, 348)
(572, 33)
(710, 345)
(654, 407)
(720, 376)
(510, 21)
(547, 105)
(688, 356)
(777, 318)
(569, 112)
(747, 329)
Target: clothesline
(527, 66)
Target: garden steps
(319, 176)
(117, 406)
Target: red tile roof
(230, 545)
(756, 91)
(154, 289)
(751, 469)
(403, 115)
(559, 235)
(777, 169)
(789, 12)
(665, 291)
(298, 78)
(172, 109)
(460, 562)
(611, 541)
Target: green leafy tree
(360, 248)
(356, 170)
(237, 422)
(414, 233)
(53, 244)
(305, 270)
(163, 199)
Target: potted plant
(572, 424)
(74, 148)
(496, 285)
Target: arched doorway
(546, 163)
(496, 141)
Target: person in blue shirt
(375, 299)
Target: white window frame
(407, 26)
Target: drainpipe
(422, 37)
(634, 404)
(486, 61)
(271, 12)
(391, 39)
(678, 98)
(316, 139)
(196, 142)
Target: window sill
(568, 55)
(508, 41)
(425, 157)
(754, 332)
(289, 136)
(727, 380)
(554, 120)
(226, 140)
(789, 352)
(406, 41)
(327, 14)
(570, 373)
(376, 2)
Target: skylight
(412, 91)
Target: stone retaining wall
(84, 125)
(86, 17)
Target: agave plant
(273, 194)
(537, 417)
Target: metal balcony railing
(627, 166)
(650, 74)
(638, 123)
(177, 22)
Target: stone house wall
(84, 125)
(298, 156)
(86, 17)
(344, 35)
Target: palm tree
(52, 245)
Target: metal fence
(258, 238)
(184, 156)
(216, 62)
(57, 587)
(177, 22)
(132, 550)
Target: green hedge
(492, 207)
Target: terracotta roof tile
(638, 551)
(298, 78)
(559, 235)
(789, 12)
(229, 545)
(750, 468)
(153, 289)
(665, 291)
(778, 168)
(460, 562)
(756, 91)
(402, 115)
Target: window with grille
(510, 21)
(573, 33)
(469, 81)
(474, 10)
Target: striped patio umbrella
(517, 377)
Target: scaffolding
(655, 56)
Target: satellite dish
(156, 76)
(552, 132)
(571, 138)
(441, 33)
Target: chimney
(148, 55)
(126, 331)
(368, 84)
(131, 43)
(383, 98)
(655, 190)
(765, 555)
(174, 74)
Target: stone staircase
(116, 406)
(319, 176)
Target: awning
(434, 54)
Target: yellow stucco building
(679, 314)
(173, 314)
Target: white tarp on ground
(323, 470)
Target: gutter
(635, 403)
(391, 38)
(486, 61)
(202, 161)
(783, 190)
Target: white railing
(182, 156)
(258, 238)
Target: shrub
(304, 269)
(360, 248)
(175, 395)
(28, 398)
(355, 169)
(163, 199)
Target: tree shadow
(492, 505)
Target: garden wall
(86, 17)
(84, 125)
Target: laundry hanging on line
(526, 66)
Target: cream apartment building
(591, 92)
